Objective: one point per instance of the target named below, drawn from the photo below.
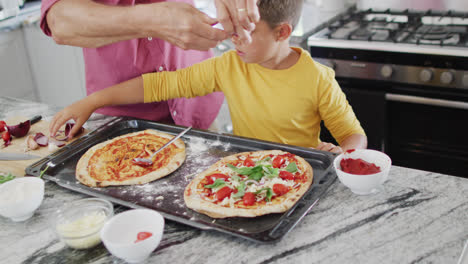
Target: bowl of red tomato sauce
(363, 171)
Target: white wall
(15, 75)
(58, 70)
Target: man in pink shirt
(122, 39)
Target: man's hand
(85, 23)
(182, 25)
(238, 16)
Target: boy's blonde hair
(275, 12)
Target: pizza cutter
(149, 161)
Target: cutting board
(17, 167)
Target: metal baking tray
(166, 195)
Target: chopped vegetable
(240, 190)
(31, 143)
(223, 193)
(286, 175)
(42, 172)
(68, 128)
(2, 126)
(269, 193)
(20, 130)
(249, 198)
(292, 167)
(216, 184)
(270, 172)
(41, 139)
(6, 138)
(5, 178)
(142, 236)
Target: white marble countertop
(420, 217)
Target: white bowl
(79, 223)
(364, 184)
(20, 197)
(119, 234)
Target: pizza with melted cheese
(250, 184)
(111, 162)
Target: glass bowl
(79, 223)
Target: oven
(406, 76)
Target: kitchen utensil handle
(426, 101)
(172, 140)
(35, 119)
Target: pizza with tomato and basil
(111, 162)
(250, 184)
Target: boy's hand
(329, 147)
(79, 111)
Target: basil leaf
(235, 178)
(240, 190)
(217, 183)
(271, 172)
(5, 178)
(241, 171)
(269, 193)
(264, 161)
(256, 176)
(292, 167)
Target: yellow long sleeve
(283, 106)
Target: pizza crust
(175, 162)
(278, 205)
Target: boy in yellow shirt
(275, 92)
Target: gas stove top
(431, 32)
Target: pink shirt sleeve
(45, 6)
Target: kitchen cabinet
(15, 75)
(57, 70)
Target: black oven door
(428, 134)
(370, 109)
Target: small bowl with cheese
(79, 223)
(363, 171)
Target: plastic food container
(364, 184)
(79, 223)
(133, 234)
(20, 197)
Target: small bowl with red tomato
(363, 170)
(133, 235)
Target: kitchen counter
(419, 217)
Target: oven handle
(426, 101)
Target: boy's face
(263, 46)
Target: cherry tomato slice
(280, 189)
(277, 162)
(2, 126)
(6, 136)
(142, 236)
(249, 198)
(211, 178)
(286, 175)
(223, 193)
(249, 162)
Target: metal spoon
(149, 161)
